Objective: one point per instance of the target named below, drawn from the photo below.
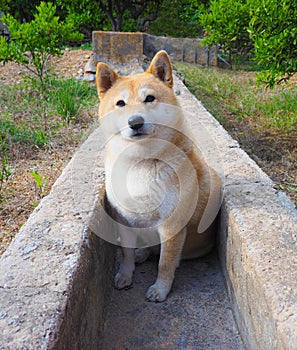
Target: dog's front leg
(124, 276)
(169, 260)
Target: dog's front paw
(157, 292)
(122, 280)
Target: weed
(293, 189)
(231, 93)
(5, 169)
(22, 133)
(40, 184)
(69, 96)
(29, 110)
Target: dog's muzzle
(136, 122)
(137, 128)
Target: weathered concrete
(257, 238)
(197, 314)
(181, 49)
(55, 278)
(117, 46)
(124, 47)
(258, 252)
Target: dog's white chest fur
(146, 194)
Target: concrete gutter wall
(257, 239)
(55, 276)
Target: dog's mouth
(138, 134)
(147, 130)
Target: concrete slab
(197, 314)
(258, 237)
(258, 241)
(55, 276)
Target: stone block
(117, 47)
(258, 253)
(190, 48)
(55, 276)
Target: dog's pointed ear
(161, 68)
(105, 78)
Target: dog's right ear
(105, 78)
(161, 68)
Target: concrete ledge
(257, 238)
(55, 276)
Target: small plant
(228, 94)
(5, 169)
(69, 96)
(273, 30)
(40, 184)
(5, 172)
(33, 42)
(293, 189)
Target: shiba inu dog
(159, 188)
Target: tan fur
(123, 98)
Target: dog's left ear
(161, 68)
(105, 78)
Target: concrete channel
(56, 277)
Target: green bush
(265, 28)
(32, 43)
(226, 23)
(273, 30)
(176, 19)
(86, 14)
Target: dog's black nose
(136, 122)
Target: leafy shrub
(86, 14)
(267, 28)
(225, 23)
(273, 29)
(33, 42)
(5, 169)
(177, 19)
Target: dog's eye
(121, 103)
(149, 98)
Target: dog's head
(138, 106)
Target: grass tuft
(233, 94)
(69, 96)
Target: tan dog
(157, 185)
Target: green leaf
(37, 178)
(292, 189)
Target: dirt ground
(275, 153)
(22, 195)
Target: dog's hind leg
(141, 254)
(169, 260)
